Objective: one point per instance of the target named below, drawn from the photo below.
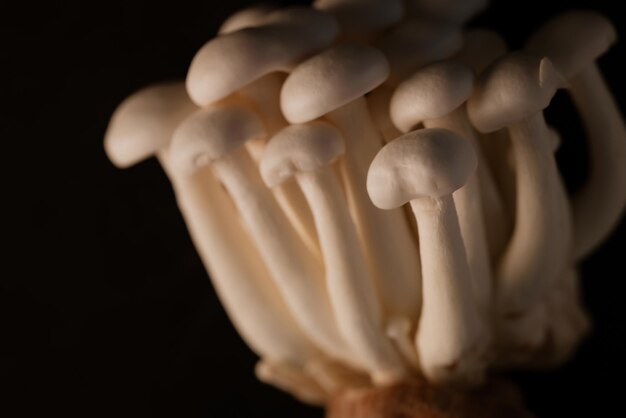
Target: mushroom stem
(378, 104)
(390, 248)
(597, 208)
(473, 208)
(297, 275)
(351, 289)
(498, 228)
(264, 97)
(497, 149)
(449, 324)
(541, 242)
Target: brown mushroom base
(419, 399)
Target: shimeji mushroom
(142, 126)
(435, 96)
(457, 11)
(332, 84)
(424, 168)
(250, 61)
(481, 48)
(513, 93)
(574, 41)
(363, 20)
(215, 136)
(306, 152)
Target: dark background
(109, 312)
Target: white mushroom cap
(431, 93)
(231, 61)
(330, 80)
(209, 134)
(416, 43)
(458, 11)
(573, 40)
(481, 47)
(516, 87)
(144, 123)
(422, 163)
(363, 17)
(246, 18)
(298, 148)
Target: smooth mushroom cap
(248, 17)
(422, 163)
(418, 42)
(231, 61)
(359, 17)
(211, 133)
(299, 148)
(516, 87)
(431, 93)
(457, 11)
(573, 40)
(330, 80)
(144, 122)
(481, 47)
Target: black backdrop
(110, 312)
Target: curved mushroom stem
(541, 243)
(597, 208)
(264, 97)
(298, 276)
(451, 337)
(498, 227)
(350, 286)
(473, 209)
(498, 151)
(378, 104)
(391, 251)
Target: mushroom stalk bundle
(373, 191)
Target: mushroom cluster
(373, 190)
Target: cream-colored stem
(390, 249)
(378, 105)
(451, 338)
(350, 285)
(240, 278)
(497, 149)
(298, 276)
(264, 96)
(541, 243)
(597, 208)
(498, 225)
(469, 201)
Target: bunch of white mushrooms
(373, 190)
